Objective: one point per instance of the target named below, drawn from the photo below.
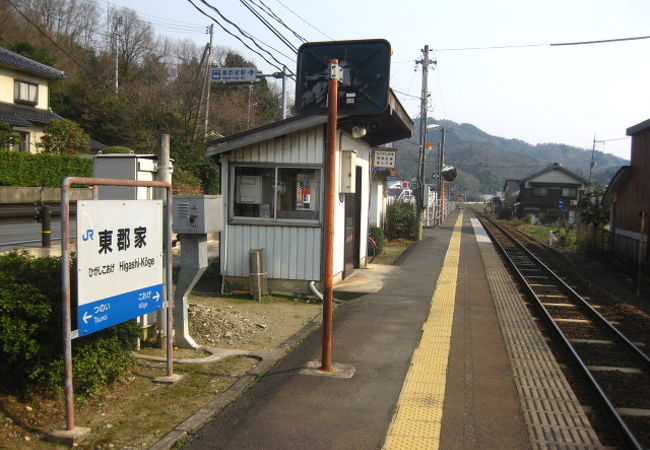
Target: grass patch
(133, 413)
(393, 249)
(567, 239)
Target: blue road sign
(110, 311)
(560, 204)
(233, 75)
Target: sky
(528, 90)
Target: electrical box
(348, 171)
(198, 214)
(125, 167)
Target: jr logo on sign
(88, 235)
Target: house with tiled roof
(550, 193)
(25, 97)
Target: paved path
(377, 334)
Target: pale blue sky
(536, 94)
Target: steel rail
(623, 340)
(621, 427)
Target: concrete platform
(444, 356)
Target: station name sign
(233, 75)
(119, 261)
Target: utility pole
(284, 92)
(115, 37)
(441, 182)
(207, 83)
(424, 97)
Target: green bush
(24, 169)
(31, 333)
(377, 234)
(400, 221)
(64, 137)
(117, 149)
(184, 182)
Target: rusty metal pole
(328, 220)
(168, 282)
(65, 304)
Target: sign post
(330, 193)
(101, 305)
(341, 77)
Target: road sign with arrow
(233, 75)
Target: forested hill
(485, 162)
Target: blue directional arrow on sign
(110, 311)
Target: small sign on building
(384, 158)
(119, 261)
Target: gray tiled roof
(24, 116)
(12, 59)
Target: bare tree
(74, 20)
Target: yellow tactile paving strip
(418, 417)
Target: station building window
(276, 194)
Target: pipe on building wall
(316, 292)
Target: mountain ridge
(484, 161)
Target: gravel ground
(246, 324)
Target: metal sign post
(100, 304)
(363, 70)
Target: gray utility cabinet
(125, 167)
(198, 214)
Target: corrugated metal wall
(292, 253)
(303, 147)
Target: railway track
(614, 368)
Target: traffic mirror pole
(328, 220)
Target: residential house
(550, 193)
(24, 97)
(272, 180)
(508, 199)
(628, 197)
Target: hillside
(485, 162)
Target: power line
(245, 34)
(405, 94)
(601, 41)
(284, 40)
(309, 24)
(489, 48)
(272, 14)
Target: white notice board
(119, 261)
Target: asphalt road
(19, 231)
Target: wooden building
(628, 197)
(547, 193)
